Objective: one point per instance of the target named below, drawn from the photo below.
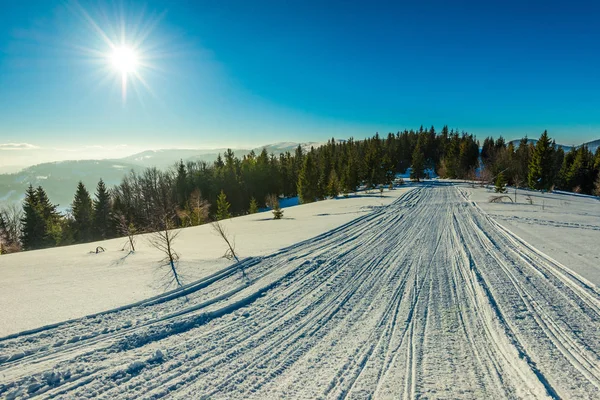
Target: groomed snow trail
(425, 298)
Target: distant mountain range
(592, 146)
(60, 179)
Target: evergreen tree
(540, 166)
(82, 214)
(333, 187)
(418, 163)
(253, 206)
(103, 224)
(500, 186)
(33, 225)
(40, 227)
(222, 207)
(181, 185)
(308, 180)
(53, 228)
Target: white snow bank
(48, 286)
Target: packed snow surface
(565, 226)
(427, 297)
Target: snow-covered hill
(428, 296)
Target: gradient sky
(246, 73)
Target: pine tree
(33, 226)
(181, 185)
(253, 206)
(273, 202)
(540, 166)
(103, 225)
(418, 163)
(333, 187)
(82, 214)
(500, 185)
(308, 180)
(53, 228)
(40, 221)
(222, 207)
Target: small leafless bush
(529, 199)
(499, 199)
(99, 249)
(230, 253)
(128, 229)
(196, 210)
(162, 240)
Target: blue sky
(241, 73)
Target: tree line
(542, 166)
(193, 193)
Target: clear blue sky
(239, 73)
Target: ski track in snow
(425, 298)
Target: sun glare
(123, 50)
(124, 60)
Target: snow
(48, 286)
(564, 226)
(420, 294)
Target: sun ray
(127, 48)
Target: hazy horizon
(88, 80)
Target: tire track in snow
(392, 304)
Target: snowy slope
(565, 226)
(47, 286)
(428, 297)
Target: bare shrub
(499, 199)
(597, 187)
(10, 229)
(162, 240)
(230, 253)
(196, 210)
(128, 229)
(485, 177)
(529, 199)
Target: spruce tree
(181, 185)
(33, 226)
(103, 224)
(253, 206)
(222, 207)
(82, 214)
(500, 184)
(53, 227)
(333, 187)
(40, 222)
(418, 163)
(540, 166)
(308, 180)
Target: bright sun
(124, 59)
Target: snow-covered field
(428, 296)
(564, 226)
(48, 286)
